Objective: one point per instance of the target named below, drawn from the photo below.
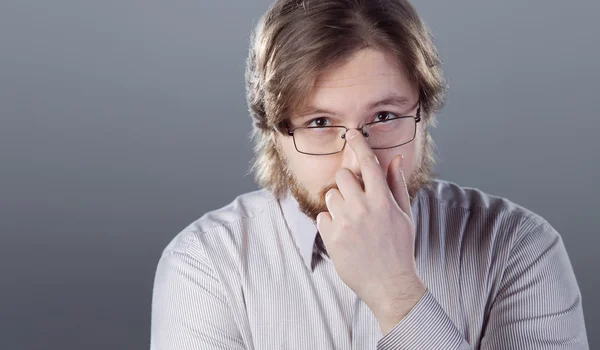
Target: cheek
(414, 152)
(312, 172)
(411, 158)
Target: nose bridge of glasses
(361, 130)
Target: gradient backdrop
(123, 121)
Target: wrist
(390, 309)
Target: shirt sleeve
(189, 307)
(539, 303)
(537, 307)
(425, 327)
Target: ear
(275, 136)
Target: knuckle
(362, 211)
(382, 206)
(340, 174)
(345, 224)
(370, 159)
(334, 241)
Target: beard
(311, 206)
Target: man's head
(332, 63)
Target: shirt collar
(303, 229)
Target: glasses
(385, 134)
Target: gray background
(121, 122)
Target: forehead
(364, 79)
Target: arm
(538, 306)
(539, 303)
(189, 308)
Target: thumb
(397, 184)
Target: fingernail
(401, 161)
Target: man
(351, 244)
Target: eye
(318, 122)
(384, 116)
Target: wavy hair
(296, 40)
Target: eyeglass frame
(417, 118)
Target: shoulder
(226, 225)
(478, 212)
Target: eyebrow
(389, 100)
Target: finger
(371, 171)
(349, 185)
(334, 202)
(397, 183)
(324, 225)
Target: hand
(369, 235)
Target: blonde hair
(296, 40)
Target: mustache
(326, 189)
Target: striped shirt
(250, 275)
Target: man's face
(346, 91)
